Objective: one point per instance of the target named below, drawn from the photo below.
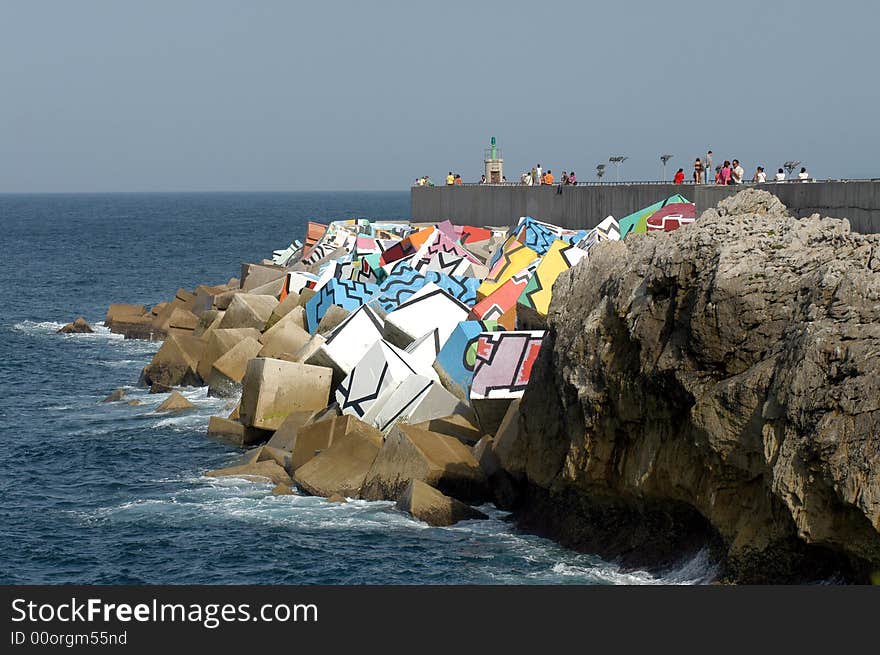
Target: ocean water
(94, 493)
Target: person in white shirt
(780, 175)
(526, 178)
(803, 176)
(738, 172)
(760, 176)
(538, 176)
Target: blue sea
(94, 493)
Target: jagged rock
(716, 383)
(437, 459)
(175, 364)
(342, 467)
(248, 311)
(175, 403)
(228, 370)
(256, 471)
(115, 396)
(427, 504)
(79, 326)
(273, 388)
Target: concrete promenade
(585, 205)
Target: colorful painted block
(429, 308)
(463, 289)
(424, 350)
(348, 294)
(470, 234)
(514, 258)
(538, 291)
(347, 344)
(450, 264)
(416, 399)
(504, 362)
(438, 243)
(456, 360)
(401, 283)
(671, 217)
(296, 281)
(536, 235)
(637, 221)
(500, 305)
(382, 368)
(407, 247)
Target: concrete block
(462, 426)
(314, 438)
(256, 275)
(455, 362)
(264, 471)
(538, 291)
(427, 504)
(410, 453)
(416, 399)
(176, 363)
(382, 369)
(228, 370)
(346, 345)
(273, 388)
(504, 363)
(347, 294)
(175, 402)
(248, 311)
(285, 336)
(514, 257)
(501, 304)
(428, 309)
(341, 468)
(288, 304)
(332, 319)
(233, 432)
(219, 341)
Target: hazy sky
(259, 95)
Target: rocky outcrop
(718, 384)
(79, 326)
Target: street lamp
(617, 160)
(790, 166)
(600, 171)
(664, 159)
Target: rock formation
(79, 326)
(719, 385)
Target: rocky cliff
(717, 385)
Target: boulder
(115, 396)
(175, 364)
(220, 341)
(342, 467)
(228, 370)
(336, 498)
(461, 427)
(248, 311)
(266, 470)
(439, 460)
(79, 326)
(427, 504)
(233, 432)
(284, 337)
(273, 388)
(175, 403)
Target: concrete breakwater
(375, 361)
(635, 399)
(579, 206)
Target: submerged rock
(176, 402)
(115, 396)
(718, 383)
(79, 326)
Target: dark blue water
(114, 494)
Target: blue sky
(198, 95)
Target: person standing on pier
(698, 171)
(708, 164)
(780, 175)
(539, 178)
(737, 172)
(726, 177)
(450, 179)
(760, 176)
(679, 176)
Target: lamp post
(664, 159)
(790, 165)
(617, 160)
(600, 171)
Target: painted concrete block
(347, 294)
(514, 257)
(346, 345)
(504, 363)
(537, 293)
(456, 360)
(500, 305)
(383, 367)
(430, 307)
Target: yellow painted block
(515, 257)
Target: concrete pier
(583, 206)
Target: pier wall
(584, 206)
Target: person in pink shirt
(726, 173)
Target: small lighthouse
(494, 163)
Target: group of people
(731, 172)
(537, 177)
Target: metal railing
(689, 183)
